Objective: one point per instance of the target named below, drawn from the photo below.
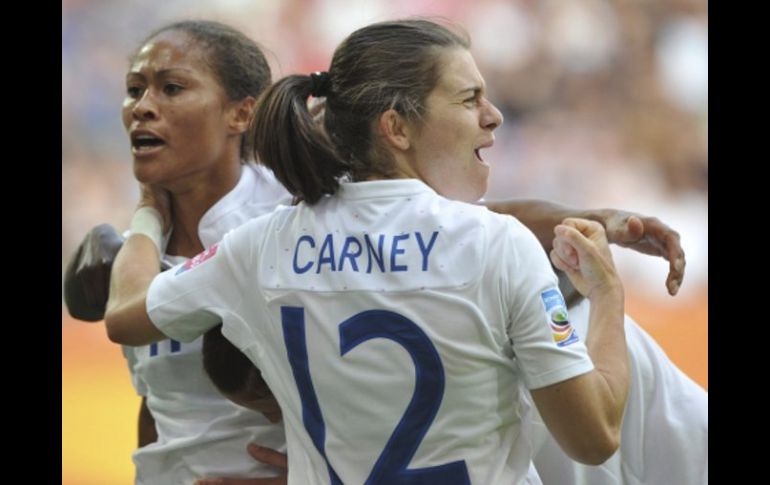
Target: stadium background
(605, 101)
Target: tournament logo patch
(198, 260)
(556, 309)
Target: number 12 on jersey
(391, 466)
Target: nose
(145, 107)
(491, 117)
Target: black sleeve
(87, 278)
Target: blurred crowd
(605, 101)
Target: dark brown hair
(385, 65)
(227, 367)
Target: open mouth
(477, 152)
(145, 143)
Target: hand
(580, 249)
(648, 235)
(87, 279)
(262, 455)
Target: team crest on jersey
(198, 260)
(563, 333)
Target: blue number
(293, 320)
(174, 347)
(391, 466)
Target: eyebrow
(474, 89)
(162, 72)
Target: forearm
(584, 414)
(606, 344)
(647, 235)
(126, 317)
(540, 216)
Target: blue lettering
(326, 254)
(351, 256)
(373, 255)
(395, 250)
(425, 251)
(309, 265)
(353, 250)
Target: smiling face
(458, 123)
(176, 113)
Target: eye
(134, 91)
(172, 89)
(473, 101)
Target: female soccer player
(330, 297)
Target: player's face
(458, 123)
(175, 113)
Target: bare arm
(136, 264)
(644, 234)
(126, 317)
(540, 216)
(585, 413)
(147, 432)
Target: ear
(395, 130)
(239, 115)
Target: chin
(146, 174)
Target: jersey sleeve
(190, 298)
(547, 347)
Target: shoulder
(499, 228)
(261, 227)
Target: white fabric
(664, 438)
(200, 433)
(468, 280)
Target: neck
(404, 168)
(189, 204)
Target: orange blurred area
(99, 406)
(679, 325)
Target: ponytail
(287, 140)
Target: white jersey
(393, 327)
(200, 433)
(664, 438)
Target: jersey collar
(383, 188)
